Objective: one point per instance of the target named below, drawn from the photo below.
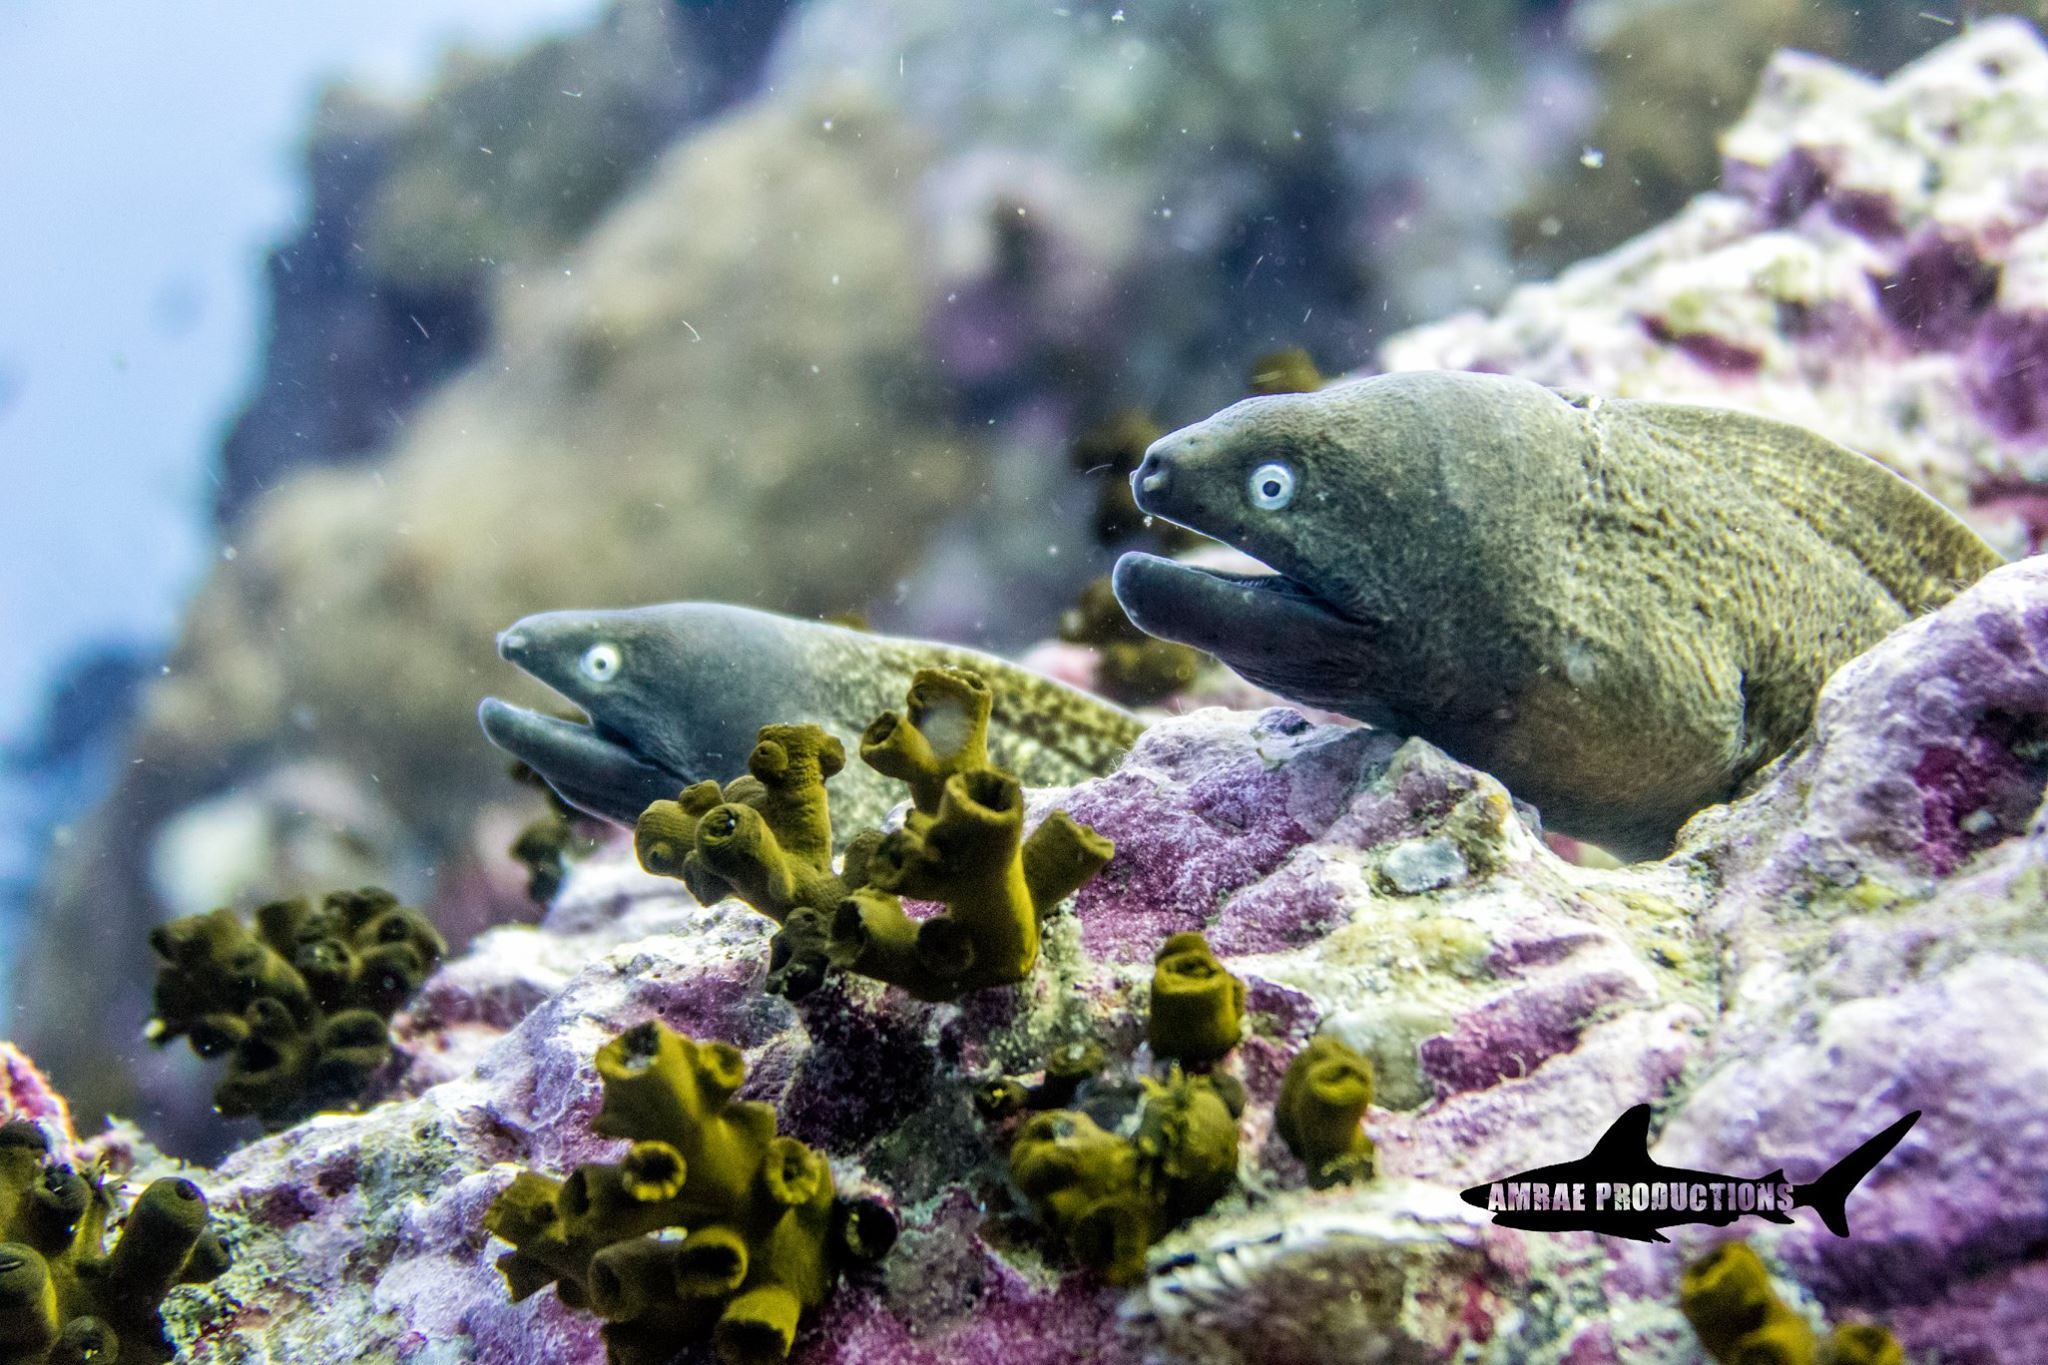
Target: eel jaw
(587, 766)
(1270, 628)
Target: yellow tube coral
(1323, 1099)
(769, 843)
(63, 1297)
(713, 1227)
(300, 1006)
(1727, 1297)
(1197, 1005)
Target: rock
(1873, 267)
(1788, 983)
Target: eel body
(676, 694)
(1621, 609)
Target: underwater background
(338, 338)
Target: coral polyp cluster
(766, 838)
(64, 1300)
(301, 1006)
(1727, 1297)
(712, 1227)
(1106, 1194)
(1323, 1099)
(1109, 1197)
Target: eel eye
(1272, 486)
(600, 663)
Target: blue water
(149, 161)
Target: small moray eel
(1621, 609)
(676, 694)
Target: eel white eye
(1272, 486)
(600, 663)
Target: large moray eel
(1621, 609)
(676, 694)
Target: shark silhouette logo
(1617, 1189)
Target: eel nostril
(1150, 476)
(511, 642)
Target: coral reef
(64, 1298)
(1858, 933)
(1797, 971)
(767, 839)
(300, 1007)
(711, 1227)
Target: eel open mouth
(1212, 609)
(594, 769)
(1273, 630)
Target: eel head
(670, 695)
(1260, 476)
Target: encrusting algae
(766, 838)
(712, 1227)
(64, 1300)
(302, 1006)
(1727, 1297)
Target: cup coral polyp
(1323, 1099)
(766, 838)
(63, 1299)
(711, 1227)
(1110, 1195)
(1727, 1297)
(1197, 1005)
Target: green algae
(301, 1007)
(711, 1228)
(64, 1299)
(767, 839)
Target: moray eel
(676, 694)
(1621, 609)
